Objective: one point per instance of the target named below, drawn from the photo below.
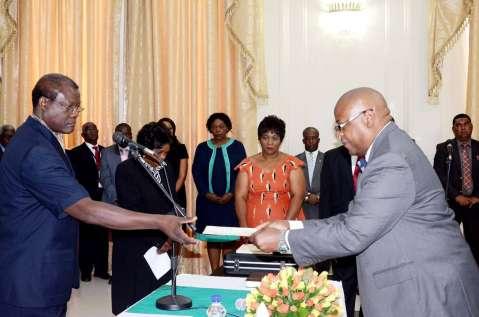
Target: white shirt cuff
(295, 224)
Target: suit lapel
(317, 165)
(303, 158)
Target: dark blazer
(455, 180)
(336, 193)
(38, 239)
(84, 165)
(132, 277)
(312, 211)
(336, 183)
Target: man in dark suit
(6, 134)
(86, 160)
(337, 191)
(313, 161)
(110, 158)
(462, 153)
(39, 199)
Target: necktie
(97, 157)
(466, 169)
(358, 168)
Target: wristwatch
(283, 246)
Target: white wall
(313, 56)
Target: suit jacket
(38, 239)
(84, 165)
(312, 211)
(455, 176)
(110, 158)
(412, 259)
(336, 183)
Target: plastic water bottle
(216, 309)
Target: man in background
(39, 201)
(6, 133)
(86, 162)
(110, 158)
(411, 257)
(337, 191)
(313, 161)
(462, 153)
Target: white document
(159, 263)
(249, 248)
(229, 231)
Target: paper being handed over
(229, 231)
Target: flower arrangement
(291, 292)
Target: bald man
(412, 259)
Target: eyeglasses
(72, 109)
(339, 127)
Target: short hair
(219, 116)
(49, 86)
(460, 116)
(272, 124)
(122, 125)
(6, 127)
(170, 121)
(312, 129)
(153, 135)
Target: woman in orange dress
(270, 185)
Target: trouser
(14, 311)
(93, 249)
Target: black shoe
(86, 278)
(104, 276)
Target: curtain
(181, 62)
(447, 20)
(76, 38)
(473, 68)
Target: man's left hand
(266, 239)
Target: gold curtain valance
(447, 21)
(8, 26)
(244, 22)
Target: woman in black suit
(133, 278)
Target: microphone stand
(172, 301)
(448, 162)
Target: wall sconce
(343, 5)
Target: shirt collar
(314, 153)
(90, 146)
(57, 135)
(368, 152)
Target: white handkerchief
(159, 263)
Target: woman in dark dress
(214, 176)
(133, 279)
(178, 158)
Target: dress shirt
(311, 161)
(124, 152)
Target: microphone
(123, 141)
(449, 151)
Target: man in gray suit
(110, 158)
(313, 161)
(412, 259)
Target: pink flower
(283, 308)
(285, 292)
(298, 296)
